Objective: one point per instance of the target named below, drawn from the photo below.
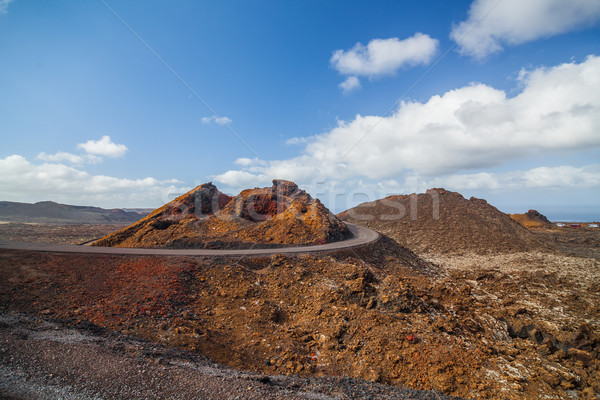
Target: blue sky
(128, 103)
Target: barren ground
(499, 326)
(50, 359)
(55, 233)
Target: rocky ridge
(206, 218)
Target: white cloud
(555, 183)
(69, 157)
(103, 147)
(492, 23)
(559, 177)
(565, 176)
(61, 156)
(243, 162)
(4, 6)
(247, 162)
(21, 180)
(302, 140)
(217, 120)
(242, 179)
(94, 149)
(464, 130)
(351, 83)
(384, 56)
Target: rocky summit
(532, 219)
(278, 215)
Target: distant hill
(442, 221)
(206, 218)
(55, 213)
(532, 219)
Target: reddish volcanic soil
(476, 328)
(532, 219)
(206, 218)
(519, 322)
(50, 359)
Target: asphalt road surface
(361, 236)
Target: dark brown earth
(576, 242)
(53, 359)
(442, 221)
(476, 329)
(55, 233)
(581, 241)
(510, 324)
(206, 218)
(274, 315)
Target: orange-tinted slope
(206, 218)
(532, 219)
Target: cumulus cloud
(4, 6)
(302, 140)
(492, 23)
(242, 179)
(464, 130)
(22, 180)
(384, 56)
(69, 157)
(345, 195)
(351, 83)
(61, 156)
(217, 120)
(103, 147)
(94, 149)
(565, 176)
(248, 162)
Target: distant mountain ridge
(56, 213)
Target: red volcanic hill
(442, 221)
(532, 219)
(206, 218)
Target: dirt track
(361, 236)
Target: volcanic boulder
(206, 218)
(442, 221)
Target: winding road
(361, 236)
